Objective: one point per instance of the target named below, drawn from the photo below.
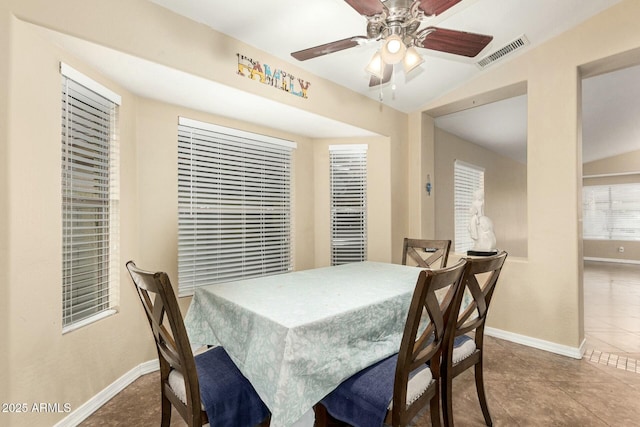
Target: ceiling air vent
(508, 49)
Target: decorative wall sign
(248, 67)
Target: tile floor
(612, 308)
(525, 387)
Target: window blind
(89, 201)
(348, 164)
(467, 179)
(611, 212)
(234, 205)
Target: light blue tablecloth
(296, 336)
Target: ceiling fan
(397, 23)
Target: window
(467, 180)
(90, 193)
(234, 205)
(348, 165)
(611, 212)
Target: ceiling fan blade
(455, 42)
(436, 7)
(386, 76)
(367, 7)
(324, 49)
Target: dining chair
(425, 253)
(395, 389)
(207, 388)
(460, 351)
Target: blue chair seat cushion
(227, 396)
(363, 399)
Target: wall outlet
(621, 249)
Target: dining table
(296, 336)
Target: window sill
(88, 320)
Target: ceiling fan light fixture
(397, 26)
(376, 65)
(412, 59)
(394, 45)
(393, 49)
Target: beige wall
(608, 250)
(5, 272)
(622, 169)
(628, 163)
(536, 294)
(44, 365)
(421, 169)
(541, 297)
(505, 192)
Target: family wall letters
(280, 79)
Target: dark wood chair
(425, 253)
(186, 381)
(460, 351)
(401, 385)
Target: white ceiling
(610, 112)
(499, 126)
(284, 26)
(610, 125)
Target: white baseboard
(564, 350)
(616, 260)
(93, 404)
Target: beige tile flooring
(612, 313)
(525, 387)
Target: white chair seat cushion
(417, 385)
(176, 382)
(463, 347)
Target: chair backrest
(172, 343)
(425, 253)
(424, 332)
(478, 284)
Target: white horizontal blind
(611, 212)
(234, 205)
(90, 223)
(467, 179)
(348, 164)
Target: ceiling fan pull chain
(393, 86)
